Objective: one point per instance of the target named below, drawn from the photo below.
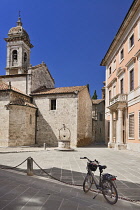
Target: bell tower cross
(18, 50)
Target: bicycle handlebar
(89, 159)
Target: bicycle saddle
(102, 167)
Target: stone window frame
(114, 64)
(130, 45)
(121, 77)
(121, 58)
(130, 68)
(53, 104)
(131, 80)
(132, 137)
(109, 71)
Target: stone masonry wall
(14, 96)
(22, 125)
(4, 119)
(99, 123)
(49, 122)
(84, 135)
(41, 77)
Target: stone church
(32, 109)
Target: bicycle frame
(98, 185)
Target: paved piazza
(38, 192)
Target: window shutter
(131, 126)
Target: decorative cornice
(125, 23)
(22, 38)
(13, 75)
(137, 53)
(114, 80)
(120, 71)
(133, 59)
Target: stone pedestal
(64, 145)
(111, 145)
(120, 146)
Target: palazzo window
(114, 65)
(121, 86)
(131, 42)
(131, 126)
(132, 80)
(109, 96)
(109, 70)
(53, 104)
(121, 54)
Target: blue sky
(70, 36)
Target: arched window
(14, 55)
(25, 57)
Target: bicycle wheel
(88, 181)
(109, 191)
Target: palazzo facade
(122, 91)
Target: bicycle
(106, 183)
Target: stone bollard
(44, 146)
(30, 166)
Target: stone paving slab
(37, 193)
(67, 167)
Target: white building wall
(49, 122)
(18, 82)
(4, 119)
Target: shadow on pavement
(125, 189)
(19, 191)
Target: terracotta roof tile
(22, 102)
(59, 90)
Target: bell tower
(18, 50)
